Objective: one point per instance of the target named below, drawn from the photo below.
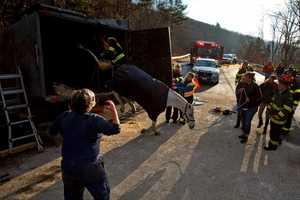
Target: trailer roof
(47, 10)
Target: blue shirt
(81, 137)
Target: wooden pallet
(17, 149)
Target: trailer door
(150, 50)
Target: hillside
(190, 30)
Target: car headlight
(215, 75)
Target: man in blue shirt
(82, 163)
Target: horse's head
(189, 115)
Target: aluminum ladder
(19, 90)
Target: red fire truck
(205, 49)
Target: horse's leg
(151, 129)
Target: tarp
(133, 83)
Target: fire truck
(205, 49)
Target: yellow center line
(258, 154)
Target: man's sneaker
(270, 147)
(237, 126)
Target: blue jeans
(92, 177)
(247, 116)
(267, 74)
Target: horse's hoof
(157, 133)
(143, 131)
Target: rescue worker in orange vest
(295, 90)
(186, 89)
(280, 108)
(268, 69)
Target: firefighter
(186, 88)
(295, 90)
(113, 53)
(280, 108)
(241, 72)
(268, 88)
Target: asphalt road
(206, 163)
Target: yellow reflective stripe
(179, 79)
(119, 45)
(285, 129)
(274, 142)
(111, 49)
(297, 91)
(277, 121)
(115, 40)
(287, 108)
(275, 106)
(120, 56)
(281, 114)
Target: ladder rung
(23, 137)
(17, 106)
(7, 92)
(9, 76)
(19, 122)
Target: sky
(243, 16)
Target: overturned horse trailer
(44, 45)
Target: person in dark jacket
(239, 92)
(268, 89)
(250, 100)
(279, 69)
(82, 163)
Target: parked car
(207, 70)
(229, 59)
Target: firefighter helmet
(286, 79)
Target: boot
(270, 147)
(260, 122)
(244, 140)
(238, 121)
(243, 136)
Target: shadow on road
(122, 161)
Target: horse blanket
(131, 82)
